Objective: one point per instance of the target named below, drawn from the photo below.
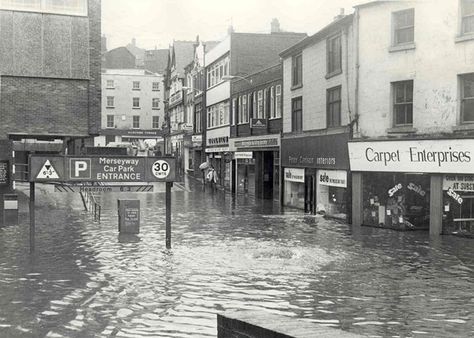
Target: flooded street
(87, 281)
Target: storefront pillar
(436, 205)
(357, 199)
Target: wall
(433, 65)
(315, 84)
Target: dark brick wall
(41, 106)
(50, 73)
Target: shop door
(309, 194)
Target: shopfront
(256, 165)
(218, 154)
(414, 184)
(322, 176)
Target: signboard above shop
(258, 123)
(101, 169)
(421, 156)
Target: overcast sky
(158, 22)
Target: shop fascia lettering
(448, 156)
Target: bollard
(10, 209)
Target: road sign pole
(32, 217)
(168, 214)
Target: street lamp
(235, 77)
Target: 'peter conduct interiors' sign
(428, 156)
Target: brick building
(49, 78)
(118, 58)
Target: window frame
(333, 67)
(462, 79)
(44, 8)
(155, 88)
(278, 101)
(296, 115)
(134, 87)
(297, 70)
(110, 99)
(110, 125)
(157, 122)
(135, 118)
(332, 122)
(395, 28)
(466, 16)
(107, 82)
(133, 103)
(407, 104)
(157, 101)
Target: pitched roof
(156, 60)
(183, 55)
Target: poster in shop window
(463, 183)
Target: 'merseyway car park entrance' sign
(101, 169)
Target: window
(245, 113)
(234, 110)
(334, 55)
(278, 101)
(297, 114)
(404, 27)
(272, 102)
(136, 102)
(71, 7)
(110, 83)
(403, 103)
(218, 114)
(197, 118)
(136, 85)
(467, 98)
(155, 123)
(110, 101)
(254, 105)
(155, 103)
(110, 121)
(259, 104)
(333, 97)
(467, 9)
(217, 71)
(136, 122)
(156, 86)
(297, 70)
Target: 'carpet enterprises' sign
(428, 156)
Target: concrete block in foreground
(252, 324)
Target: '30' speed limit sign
(160, 169)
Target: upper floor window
(272, 102)
(234, 110)
(243, 111)
(110, 121)
(155, 123)
(70, 7)
(216, 71)
(403, 103)
(218, 114)
(297, 70)
(297, 114)
(198, 118)
(110, 101)
(136, 122)
(467, 10)
(136, 85)
(136, 102)
(404, 27)
(278, 101)
(155, 103)
(254, 105)
(333, 97)
(110, 84)
(467, 98)
(156, 86)
(260, 104)
(334, 52)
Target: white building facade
(132, 107)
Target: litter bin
(10, 209)
(129, 216)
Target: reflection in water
(228, 253)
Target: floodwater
(87, 281)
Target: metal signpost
(101, 174)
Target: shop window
(467, 20)
(334, 59)
(458, 204)
(297, 114)
(404, 27)
(467, 98)
(403, 103)
(297, 71)
(397, 201)
(334, 107)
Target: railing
(90, 204)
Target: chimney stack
(341, 14)
(275, 26)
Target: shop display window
(246, 176)
(458, 205)
(294, 194)
(396, 201)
